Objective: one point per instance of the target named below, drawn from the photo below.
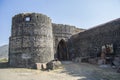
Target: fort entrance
(62, 51)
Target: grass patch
(3, 60)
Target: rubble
(54, 64)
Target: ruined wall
(31, 40)
(89, 42)
(61, 31)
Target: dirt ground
(69, 71)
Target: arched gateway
(62, 50)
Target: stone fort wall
(34, 39)
(61, 31)
(31, 40)
(90, 42)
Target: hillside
(4, 51)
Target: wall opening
(27, 19)
(62, 51)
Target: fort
(35, 39)
(91, 42)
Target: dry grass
(3, 60)
(69, 71)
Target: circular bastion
(31, 40)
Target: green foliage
(3, 60)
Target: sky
(80, 13)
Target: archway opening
(62, 51)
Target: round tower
(31, 40)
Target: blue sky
(81, 13)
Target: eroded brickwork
(60, 32)
(31, 40)
(90, 42)
(34, 39)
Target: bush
(3, 60)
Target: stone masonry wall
(34, 39)
(61, 31)
(31, 40)
(89, 42)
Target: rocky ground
(69, 71)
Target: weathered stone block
(53, 65)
